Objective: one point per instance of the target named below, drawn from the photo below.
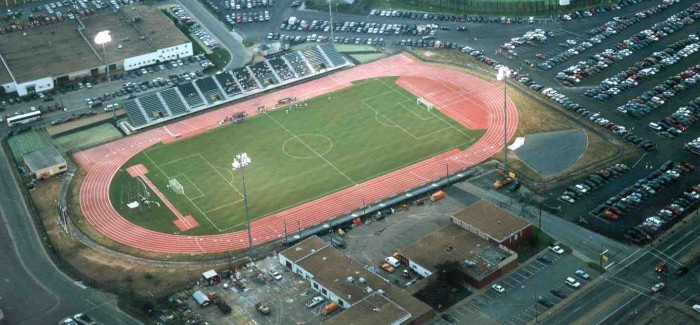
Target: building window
(315, 285)
(340, 302)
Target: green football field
(298, 155)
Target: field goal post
(176, 187)
(422, 102)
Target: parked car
(556, 249)
(315, 301)
(658, 287)
(582, 274)
(572, 283)
(498, 288)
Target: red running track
(468, 100)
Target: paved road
(239, 55)
(627, 285)
(33, 291)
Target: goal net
(176, 187)
(423, 102)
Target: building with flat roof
(348, 283)
(45, 162)
(481, 261)
(494, 224)
(35, 59)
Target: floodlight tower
(240, 162)
(503, 74)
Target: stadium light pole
(330, 17)
(240, 162)
(503, 74)
(102, 38)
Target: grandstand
(209, 89)
(205, 92)
(228, 84)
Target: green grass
(298, 155)
(23, 143)
(88, 138)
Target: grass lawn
(298, 155)
(364, 58)
(23, 143)
(87, 138)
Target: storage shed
(45, 162)
(201, 299)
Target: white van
(392, 261)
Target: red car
(610, 215)
(661, 267)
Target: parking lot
(529, 290)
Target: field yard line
(222, 176)
(413, 162)
(314, 151)
(386, 117)
(178, 159)
(416, 114)
(441, 119)
(225, 205)
(201, 194)
(188, 199)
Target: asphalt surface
(539, 148)
(33, 291)
(627, 285)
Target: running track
(468, 100)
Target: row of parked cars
(632, 197)
(600, 33)
(247, 4)
(531, 38)
(646, 68)
(693, 146)
(247, 17)
(679, 121)
(641, 40)
(643, 104)
(592, 182)
(361, 27)
(653, 225)
(595, 118)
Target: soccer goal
(427, 104)
(176, 187)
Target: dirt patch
(65, 127)
(109, 272)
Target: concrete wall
(515, 239)
(53, 170)
(159, 56)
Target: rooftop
(331, 269)
(374, 309)
(59, 49)
(43, 158)
(303, 248)
(492, 220)
(454, 243)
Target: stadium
(348, 139)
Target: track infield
(359, 139)
(299, 153)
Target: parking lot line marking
(522, 275)
(508, 283)
(540, 263)
(489, 297)
(534, 267)
(467, 309)
(475, 306)
(518, 281)
(458, 313)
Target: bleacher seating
(298, 64)
(135, 115)
(209, 89)
(191, 96)
(282, 68)
(245, 79)
(226, 81)
(336, 58)
(315, 58)
(153, 107)
(263, 74)
(173, 100)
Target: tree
(450, 273)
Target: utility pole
(330, 17)
(285, 231)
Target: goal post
(176, 187)
(422, 102)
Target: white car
(658, 287)
(696, 308)
(583, 274)
(498, 288)
(655, 126)
(572, 283)
(275, 274)
(556, 249)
